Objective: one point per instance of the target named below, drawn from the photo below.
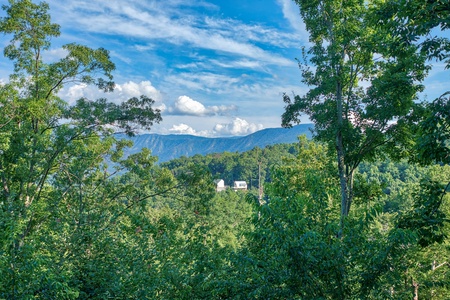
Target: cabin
(220, 185)
(240, 186)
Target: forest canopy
(360, 212)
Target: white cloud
(133, 89)
(243, 63)
(254, 33)
(188, 106)
(77, 91)
(204, 81)
(186, 129)
(121, 93)
(145, 48)
(116, 54)
(237, 127)
(56, 54)
(182, 129)
(291, 12)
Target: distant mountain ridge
(167, 147)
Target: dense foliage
(252, 166)
(365, 68)
(72, 227)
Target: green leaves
(413, 22)
(80, 65)
(131, 115)
(362, 81)
(32, 30)
(433, 138)
(73, 227)
(427, 217)
(60, 209)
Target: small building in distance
(240, 186)
(220, 185)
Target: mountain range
(167, 147)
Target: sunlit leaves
(58, 202)
(32, 31)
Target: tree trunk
(342, 175)
(341, 155)
(416, 289)
(349, 177)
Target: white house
(240, 185)
(220, 185)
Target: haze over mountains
(167, 147)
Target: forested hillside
(250, 166)
(167, 147)
(359, 212)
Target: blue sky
(215, 68)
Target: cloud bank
(121, 93)
(237, 127)
(187, 106)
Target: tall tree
(44, 140)
(360, 81)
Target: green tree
(361, 80)
(395, 239)
(418, 22)
(54, 182)
(231, 166)
(293, 251)
(433, 132)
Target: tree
(418, 22)
(52, 159)
(361, 82)
(385, 251)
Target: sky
(214, 68)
